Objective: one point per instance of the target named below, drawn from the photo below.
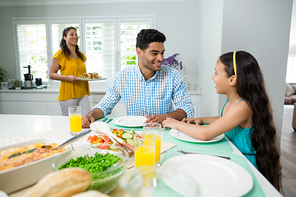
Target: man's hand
(156, 118)
(86, 120)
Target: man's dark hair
(147, 36)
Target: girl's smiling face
(220, 78)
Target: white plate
(3, 194)
(215, 176)
(182, 136)
(130, 121)
(85, 79)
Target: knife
(185, 152)
(105, 120)
(73, 139)
(109, 120)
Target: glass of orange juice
(155, 130)
(144, 151)
(75, 119)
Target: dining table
(19, 128)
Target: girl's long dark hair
(64, 47)
(251, 87)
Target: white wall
(261, 28)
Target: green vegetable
(14, 155)
(113, 147)
(25, 152)
(94, 165)
(29, 151)
(130, 141)
(95, 145)
(127, 136)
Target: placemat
(27, 137)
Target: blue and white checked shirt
(141, 97)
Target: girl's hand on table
(170, 122)
(192, 120)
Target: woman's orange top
(76, 67)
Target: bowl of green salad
(104, 165)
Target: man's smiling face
(152, 57)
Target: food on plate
(61, 183)
(17, 156)
(91, 193)
(100, 141)
(90, 76)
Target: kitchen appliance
(38, 81)
(28, 84)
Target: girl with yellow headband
(246, 117)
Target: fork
(185, 152)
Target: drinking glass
(144, 181)
(75, 119)
(144, 151)
(155, 130)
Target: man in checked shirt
(149, 89)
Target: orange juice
(144, 155)
(157, 148)
(75, 123)
(157, 144)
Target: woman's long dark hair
(251, 87)
(64, 47)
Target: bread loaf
(62, 183)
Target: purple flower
(173, 61)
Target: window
(32, 48)
(291, 69)
(128, 35)
(109, 44)
(100, 48)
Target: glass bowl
(104, 181)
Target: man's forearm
(178, 114)
(96, 113)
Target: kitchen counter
(94, 88)
(45, 101)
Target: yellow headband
(234, 63)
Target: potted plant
(174, 61)
(2, 74)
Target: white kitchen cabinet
(45, 102)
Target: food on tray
(90, 76)
(17, 156)
(99, 141)
(61, 183)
